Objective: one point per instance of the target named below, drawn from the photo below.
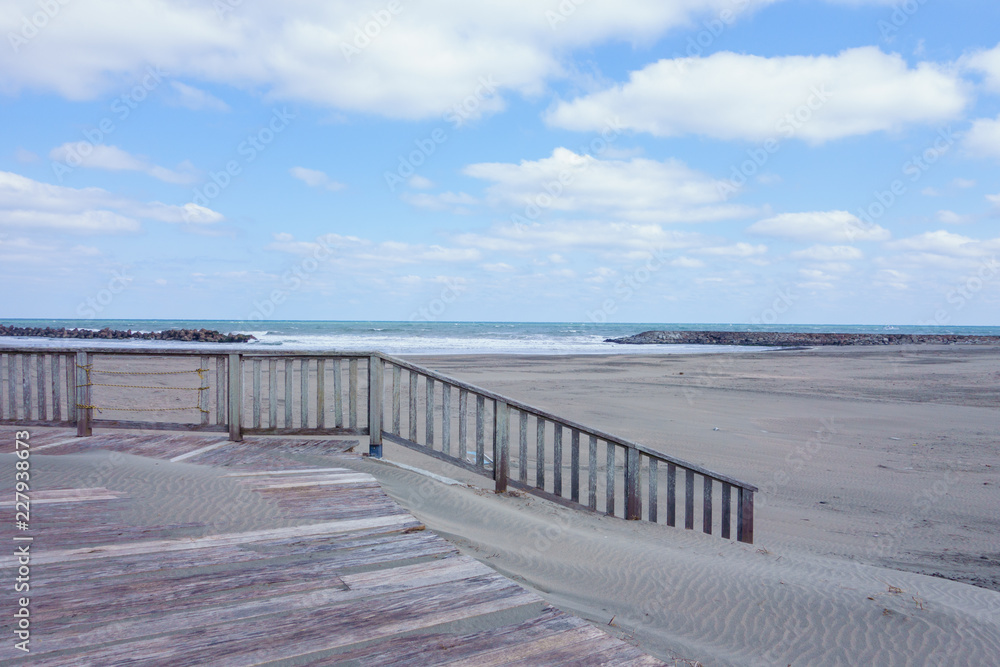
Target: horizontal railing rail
(289, 392)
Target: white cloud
(418, 182)
(736, 250)
(994, 199)
(499, 267)
(988, 64)
(944, 243)
(314, 53)
(952, 218)
(687, 263)
(368, 251)
(983, 138)
(559, 236)
(735, 96)
(638, 189)
(112, 158)
(827, 253)
(316, 179)
(195, 99)
(822, 226)
(31, 204)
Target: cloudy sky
(783, 161)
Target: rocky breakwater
(182, 335)
(774, 339)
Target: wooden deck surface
(330, 570)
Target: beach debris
(918, 602)
(716, 428)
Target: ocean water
(401, 338)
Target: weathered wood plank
(397, 373)
(480, 431)
(429, 411)
(352, 394)
(633, 485)
(320, 393)
(501, 445)
(609, 485)
(744, 517)
(26, 385)
(272, 393)
(592, 474)
(671, 494)
(56, 383)
(446, 418)
(463, 423)
(304, 393)
(338, 394)
(689, 499)
(289, 400)
(522, 447)
(12, 383)
(69, 363)
(727, 495)
(574, 462)
(42, 387)
(256, 392)
(203, 391)
(376, 394)
(235, 397)
(412, 395)
(220, 390)
(706, 511)
(84, 414)
(557, 458)
(654, 485)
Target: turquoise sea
(459, 337)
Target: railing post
(84, 415)
(633, 492)
(235, 397)
(501, 445)
(376, 373)
(744, 516)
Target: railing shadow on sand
(281, 392)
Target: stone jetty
(183, 335)
(775, 339)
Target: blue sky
(767, 161)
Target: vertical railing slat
(376, 394)
(429, 411)
(26, 384)
(633, 485)
(352, 394)
(256, 392)
(671, 494)
(56, 382)
(396, 377)
(654, 487)
(12, 386)
(463, 424)
(321, 393)
(689, 499)
(412, 395)
(539, 453)
(501, 445)
(83, 414)
(574, 462)
(480, 428)
(592, 474)
(609, 487)
(235, 397)
(557, 459)
(744, 517)
(272, 393)
(42, 387)
(68, 361)
(288, 393)
(220, 390)
(727, 495)
(203, 390)
(338, 395)
(706, 516)
(446, 419)
(522, 447)
(304, 393)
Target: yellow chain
(108, 407)
(89, 368)
(139, 386)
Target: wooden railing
(323, 393)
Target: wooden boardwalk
(313, 565)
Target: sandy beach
(876, 523)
